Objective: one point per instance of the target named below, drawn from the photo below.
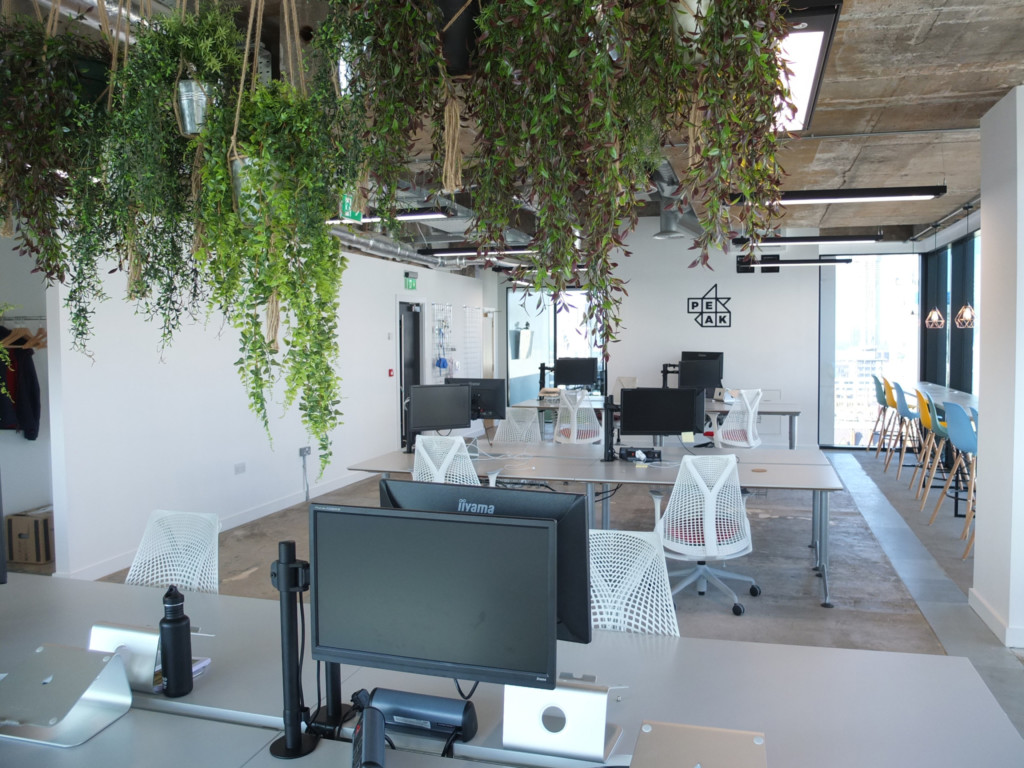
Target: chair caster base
(738, 609)
(754, 590)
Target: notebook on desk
(668, 745)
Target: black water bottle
(175, 645)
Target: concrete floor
(897, 584)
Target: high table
(816, 706)
(940, 394)
(760, 468)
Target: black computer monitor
(575, 371)
(471, 597)
(568, 509)
(661, 411)
(487, 397)
(701, 370)
(439, 406)
(3, 540)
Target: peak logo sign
(710, 310)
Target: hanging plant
(395, 72)
(51, 127)
(734, 140)
(151, 168)
(273, 267)
(571, 100)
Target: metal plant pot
(191, 107)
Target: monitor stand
(570, 721)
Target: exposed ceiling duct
(677, 218)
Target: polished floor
(897, 583)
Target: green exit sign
(410, 283)
(347, 209)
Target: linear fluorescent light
(866, 195)
(812, 25)
(809, 262)
(812, 240)
(469, 252)
(409, 216)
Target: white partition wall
(136, 429)
(998, 591)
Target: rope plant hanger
(451, 167)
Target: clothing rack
(20, 337)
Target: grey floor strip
(944, 606)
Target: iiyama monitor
(487, 397)
(661, 411)
(470, 597)
(568, 509)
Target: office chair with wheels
(520, 425)
(705, 521)
(629, 587)
(179, 548)
(443, 459)
(576, 421)
(739, 427)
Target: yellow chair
(892, 415)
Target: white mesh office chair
(520, 425)
(705, 521)
(179, 548)
(443, 459)
(629, 587)
(576, 422)
(739, 427)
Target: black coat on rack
(23, 384)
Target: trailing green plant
(738, 90)
(395, 74)
(273, 267)
(151, 169)
(571, 101)
(50, 129)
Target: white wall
(771, 344)
(136, 429)
(25, 464)
(997, 594)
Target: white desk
(817, 706)
(800, 469)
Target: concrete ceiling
(906, 85)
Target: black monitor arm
(666, 369)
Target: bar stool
(910, 430)
(937, 429)
(964, 439)
(891, 413)
(883, 412)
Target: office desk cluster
(760, 468)
(816, 706)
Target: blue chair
(909, 430)
(880, 419)
(938, 435)
(892, 414)
(964, 438)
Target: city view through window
(878, 328)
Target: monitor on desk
(661, 411)
(568, 509)
(575, 371)
(487, 397)
(701, 370)
(439, 406)
(471, 597)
